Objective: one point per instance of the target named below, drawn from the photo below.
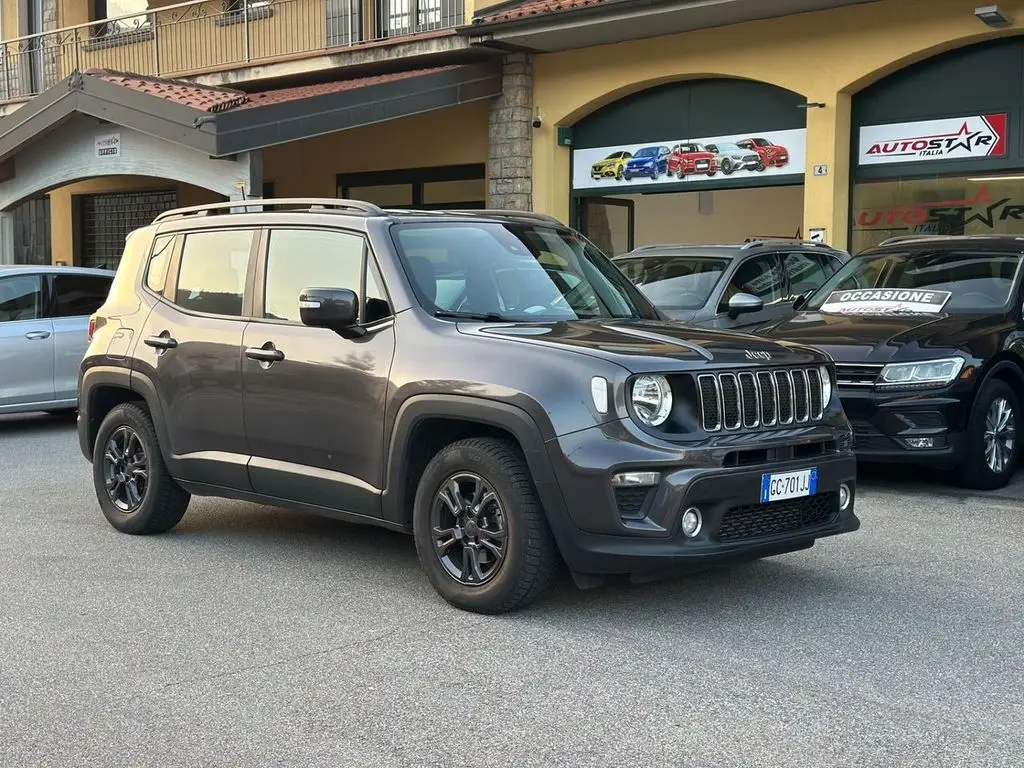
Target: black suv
(487, 381)
(926, 332)
(735, 287)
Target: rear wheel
(992, 448)
(480, 531)
(134, 489)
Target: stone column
(510, 129)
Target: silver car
(731, 158)
(44, 327)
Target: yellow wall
(309, 168)
(61, 207)
(825, 56)
(734, 215)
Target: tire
(530, 558)
(627, 177)
(618, 174)
(654, 175)
(712, 173)
(760, 167)
(727, 168)
(161, 501)
(974, 471)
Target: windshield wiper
(487, 317)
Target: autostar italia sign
(929, 140)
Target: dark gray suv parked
(736, 287)
(486, 381)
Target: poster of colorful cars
(772, 153)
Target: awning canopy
(221, 122)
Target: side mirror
(334, 308)
(802, 299)
(742, 303)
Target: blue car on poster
(649, 161)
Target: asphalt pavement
(251, 636)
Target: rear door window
(80, 295)
(213, 269)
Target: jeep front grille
(765, 398)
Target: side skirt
(203, 489)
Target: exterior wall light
(992, 16)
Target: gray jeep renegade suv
(485, 380)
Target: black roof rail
(316, 205)
(924, 238)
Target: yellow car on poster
(611, 167)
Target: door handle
(37, 335)
(161, 342)
(264, 354)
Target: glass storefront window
(945, 205)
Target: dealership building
(848, 123)
(845, 121)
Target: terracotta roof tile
(202, 97)
(281, 95)
(528, 8)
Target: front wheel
(480, 530)
(727, 168)
(134, 489)
(991, 443)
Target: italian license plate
(789, 485)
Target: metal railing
(205, 35)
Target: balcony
(193, 38)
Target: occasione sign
(929, 140)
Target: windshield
(685, 282)
(647, 152)
(726, 147)
(521, 272)
(920, 283)
(762, 142)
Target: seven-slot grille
(764, 398)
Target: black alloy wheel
(125, 469)
(468, 526)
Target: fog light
(919, 442)
(691, 522)
(844, 497)
(633, 479)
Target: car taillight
(92, 327)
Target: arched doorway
(706, 161)
(938, 147)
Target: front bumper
(886, 424)
(643, 171)
(604, 173)
(600, 536)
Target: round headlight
(652, 399)
(826, 387)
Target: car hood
(648, 345)
(640, 160)
(883, 338)
(607, 162)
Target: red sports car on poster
(772, 155)
(690, 159)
